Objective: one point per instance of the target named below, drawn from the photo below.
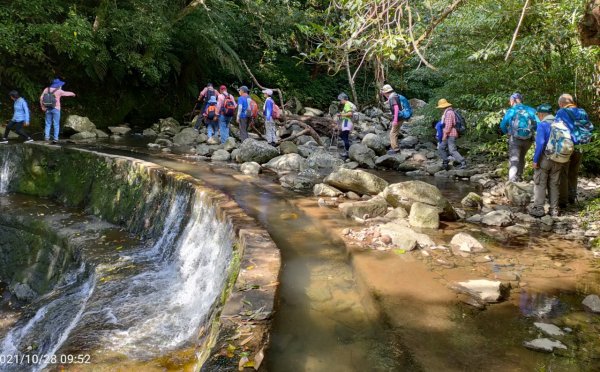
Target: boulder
(352, 195)
(203, 138)
(375, 143)
(483, 290)
(221, 155)
(288, 147)
(288, 162)
(306, 179)
(408, 142)
(258, 151)
(375, 207)
(416, 103)
(356, 180)
(544, 344)
(230, 144)
(250, 168)
(100, 133)
(121, 131)
(592, 303)
(149, 132)
(397, 213)
(79, 124)
(519, 194)
(472, 200)
(169, 125)
(187, 136)
(362, 154)
(322, 189)
(404, 237)
(22, 291)
(203, 150)
(84, 136)
(406, 193)
(163, 142)
(321, 160)
(154, 146)
(467, 243)
(390, 161)
(424, 216)
(304, 151)
(497, 218)
(309, 111)
(516, 230)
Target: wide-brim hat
(443, 103)
(387, 89)
(57, 83)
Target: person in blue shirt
(519, 124)
(270, 130)
(242, 118)
(547, 172)
(20, 118)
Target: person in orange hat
(449, 135)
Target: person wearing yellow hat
(401, 111)
(449, 135)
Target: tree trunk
(351, 82)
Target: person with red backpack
(211, 117)
(226, 108)
(269, 113)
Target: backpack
(582, 128)
(461, 123)
(402, 108)
(276, 111)
(522, 125)
(228, 106)
(210, 93)
(560, 145)
(252, 109)
(49, 99)
(211, 113)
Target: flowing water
(7, 169)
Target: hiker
(519, 123)
(211, 117)
(243, 114)
(50, 103)
(581, 128)
(20, 118)
(269, 113)
(553, 147)
(447, 146)
(401, 111)
(346, 124)
(226, 107)
(203, 98)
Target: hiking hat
(244, 89)
(213, 99)
(516, 96)
(342, 96)
(268, 92)
(222, 88)
(387, 89)
(443, 103)
(57, 83)
(545, 108)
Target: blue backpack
(560, 145)
(405, 111)
(582, 127)
(522, 125)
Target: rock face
(592, 303)
(257, 151)
(250, 168)
(362, 155)
(467, 243)
(406, 193)
(375, 143)
(424, 216)
(472, 200)
(288, 162)
(497, 218)
(322, 189)
(84, 135)
(187, 136)
(356, 180)
(544, 344)
(373, 208)
(486, 291)
(79, 124)
(518, 194)
(404, 237)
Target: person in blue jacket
(270, 130)
(547, 172)
(242, 105)
(519, 124)
(20, 118)
(569, 113)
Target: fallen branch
(279, 91)
(514, 38)
(307, 130)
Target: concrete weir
(164, 208)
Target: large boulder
(592, 303)
(424, 216)
(321, 160)
(405, 194)
(362, 154)
(306, 179)
(258, 151)
(100, 133)
(79, 124)
(404, 237)
(390, 161)
(84, 136)
(375, 143)
(187, 136)
(519, 194)
(303, 150)
(374, 207)
(356, 180)
(250, 168)
(169, 125)
(288, 162)
(322, 189)
(497, 218)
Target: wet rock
(258, 151)
(592, 303)
(524, 217)
(319, 294)
(79, 124)
(406, 193)
(100, 134)
(483, 290)
(83, 136)
(404, 237)
(544, 344)
(497, 218)
(187, 136)
(417, 173)
(408, 142)
(375, 143)
(22, 291)
(519, 194)
(322, 189)
(549, 329)
(462, 173)
(305, 179)
(288, 147)
(149, 132)
(287, 162)
(321, 160)
(121, 131)
(183, 150)
(390, 161)
(472, 200)
(467, 243)
(516, 230)
(398, 212)
(424, 216)
(362, 155)
(356, 180)
(221, 155)
(230, 144)
(374, 208)
(250, 168)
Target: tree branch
(412, 40)
(437, 21)
(514, 38)
(283, 115)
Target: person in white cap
(270, 130)
(401, 111)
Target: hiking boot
(3, 140)
(463, 165)
(392, 152)
(537, 212)
(55, 142)
(29, 140)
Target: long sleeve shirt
(21, 111)
(505, 124)
(542, 136)
(242, 106)
(268, 109)
(449, 120)
(400, 107)
(58, 93)
(568, 115)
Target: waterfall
(7, 169)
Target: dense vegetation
(137, 60)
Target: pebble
(386, 239)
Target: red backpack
(228, 108)
(211, 113)
(253, 108)
(276, 111)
